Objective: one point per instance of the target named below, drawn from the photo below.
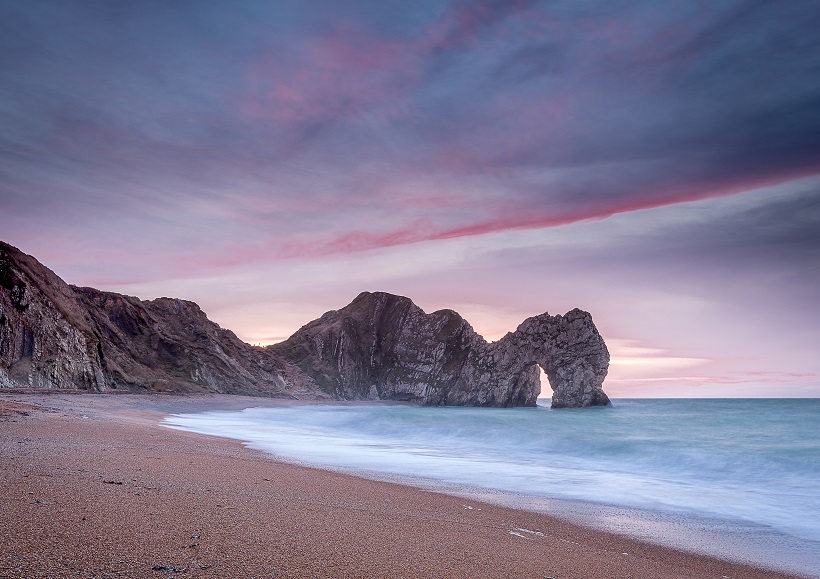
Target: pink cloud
(354, 241)
(733, 378)
(348, 72)
(461, 25)
(787, 374)
(328, 78)
(518, 218)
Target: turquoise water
(751, 463)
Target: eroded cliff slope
(53, 335)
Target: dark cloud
(529, 114)
(783, 233)
(532, 60)
(766, 238)
(464, 22)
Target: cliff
(53, 335)
(381, 346)
(384, 347)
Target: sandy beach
(93, 486)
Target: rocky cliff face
(53, 335)
(383, 346)
(380, 347)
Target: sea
(733, 478)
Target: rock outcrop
(53, 335)
(384, 347)
(380, 347)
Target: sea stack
(384, 347)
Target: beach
(94, 486)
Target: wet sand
(93, 486)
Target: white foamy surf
(731, 478)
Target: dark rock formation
(383, 346)
(53, 335)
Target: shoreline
(698, 532)
(95, 484)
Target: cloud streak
(515, 114)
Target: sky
(656, 163)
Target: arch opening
(545, 396)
